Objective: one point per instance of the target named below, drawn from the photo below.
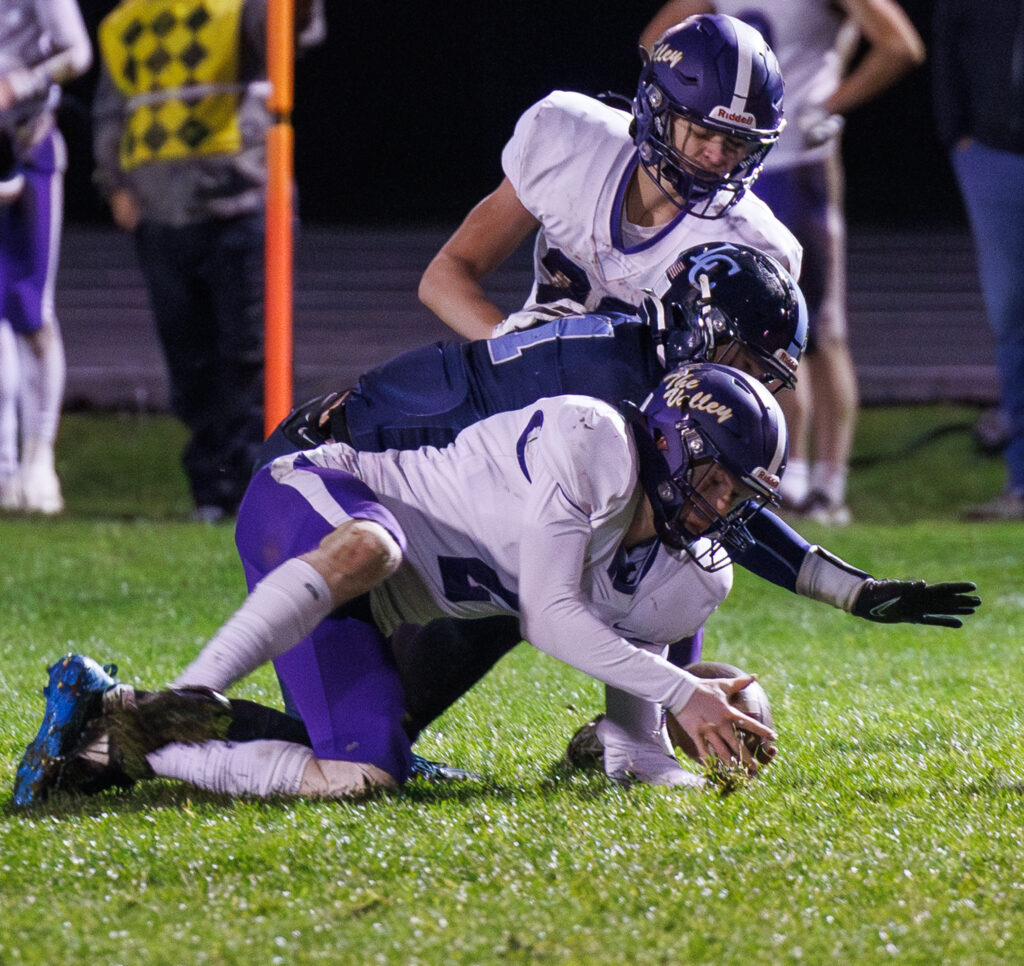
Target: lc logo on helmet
(678, 392)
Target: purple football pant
(342, 679)
(30, 230)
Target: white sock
(795, 483)
(282, 609)
(257, 768)
(42, 388)
(830, 479)
(9, 373)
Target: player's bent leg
(440, 662)
(355, 557)
(342, 682)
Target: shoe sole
(74, 695)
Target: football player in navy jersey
(718, 301)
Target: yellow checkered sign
(163, 54)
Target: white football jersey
(525, 513)
(570, 160)
(811, 47)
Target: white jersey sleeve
(573, 496)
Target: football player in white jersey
(614, 196)
(602, 530)
(802, 183)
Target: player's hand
(538, 314)
(8, 98)
(713, 724)
(124, 207)
(916, 602)
(818, 127)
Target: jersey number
(468, 578)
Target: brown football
(752, 700)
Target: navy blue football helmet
(734, 305)
(701, 420)
(718, 74)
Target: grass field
(890, 829)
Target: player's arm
(784, 557)
(583, 470)
(490, 233)
(669, 15)
(63, 23)
(556, 620)
(894, 47)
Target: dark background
(402, 114)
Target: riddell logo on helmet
(770, 480)
(733, 117)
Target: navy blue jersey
(426, 396)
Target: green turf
(888, 830)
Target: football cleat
(112, 750)
(585, 751)
(74, 695)
(438, 771)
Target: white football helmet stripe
(744, 70)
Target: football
(751, 700)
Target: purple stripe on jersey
(536, 421)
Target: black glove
(915, 602)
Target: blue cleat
(73, 696)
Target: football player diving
(603, 532)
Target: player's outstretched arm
(825, 577)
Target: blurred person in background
(978, 87)
(803, 185)
(180, 122)
(43, 43)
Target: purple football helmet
(703, 419)
(709, 77)
(745, 308)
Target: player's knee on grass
(355, 558)
(324, 778)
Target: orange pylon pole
(280, 167)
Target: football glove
(916, 602)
